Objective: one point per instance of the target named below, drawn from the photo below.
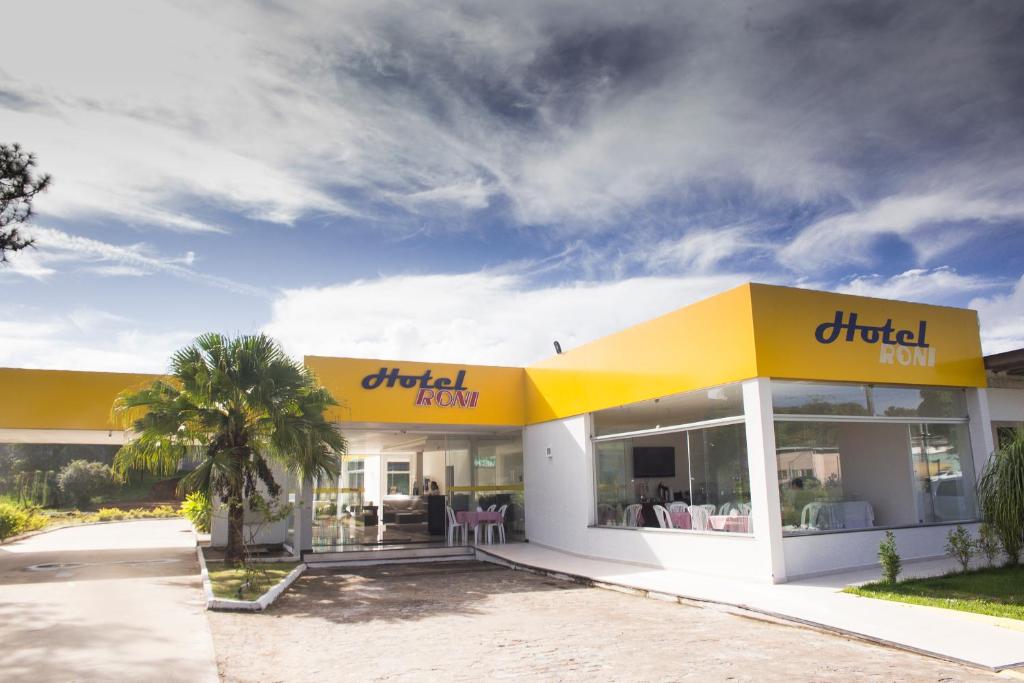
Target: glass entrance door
(393, 488)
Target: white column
(982, 441)
(764, 476)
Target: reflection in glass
(817, 398)
(859, 475)
(944, 472)
(681, 409)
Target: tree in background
(18, 187)
(234, 406)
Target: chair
(745, 509)
(724, 508)
(492, 507)
(699, 517)
(454, 527)
(497, 526)
(677, 507)
(664, 521)
(605, 514)
(630, 515)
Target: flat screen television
(651, 462)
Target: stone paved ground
(470, 621)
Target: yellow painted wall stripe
(61, 399)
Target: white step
(386, 555)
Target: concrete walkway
(110, 602)
(975, 639)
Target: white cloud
(84, 339)
(56, 246)
(480, 317)
(580, 116)
(1002, 320)
(936, 286)
(848, 238)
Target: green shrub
(1001, 496)
(80, 480)
(988, 543)
(890, 558)
(16, 519)
(196, 508)
(960, 545)
(111, 514)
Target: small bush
(16, 519)
(960, 545)
(111, 514)
(890, 558)
(988, 543)
(80, 480)
(196, 509)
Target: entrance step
(386, 555)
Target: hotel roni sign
(895, 346)
(442, 392)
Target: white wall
(876, 467)
(560, 506)
(1006, 405)
(822, 553)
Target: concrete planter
(258, 605)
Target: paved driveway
(479, 622)
(110, 602)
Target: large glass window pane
(918, 402)
(681, 409)
(944, 472)
(696, 479)
(858, 475)
(814, 398)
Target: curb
(40, 532)
(734, 608)
(258, 605)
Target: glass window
(944, 472)
(696, 479)
(919, 402)
(398, 478)
(860, 475)
(681, 409)
(815, 398)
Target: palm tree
(1001, 495)
(234, 406)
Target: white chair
(630, 515)
(492, 507)
(664, 521)
(709, 507)
(677, 507)
(745, 509)
(497, 526)
(699, 517)
(455, 527)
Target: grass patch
(997, 592)
(226, 581)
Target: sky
(469, 181)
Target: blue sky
(470, 181)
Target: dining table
(472, 518)
(734, 523)
(680, 519)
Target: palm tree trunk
(233, 554)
